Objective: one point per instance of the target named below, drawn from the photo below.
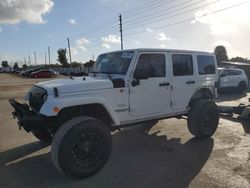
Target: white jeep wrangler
(123, 88)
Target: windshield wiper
(94, 72)
(108, 74)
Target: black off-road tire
(43, 135)
(81, 147)
(242, 87)
(203, 118)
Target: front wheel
(203, 118)
(81, 147)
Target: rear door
(234, 77)
(183, 80)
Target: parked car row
(38, 73)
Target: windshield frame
(126, 58)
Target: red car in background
(44, 74)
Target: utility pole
(120, 20)
(35, 58)
(69, 51)
(45, 59)
(69, 57)
(49, 54)
(29, 60)
(24, 61)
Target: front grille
(36, 98)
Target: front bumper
(28, 119)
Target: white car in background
(232, 78)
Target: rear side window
(234, 72)
(206, 64)
(182, 65)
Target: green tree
(62, 58)
(5, 64)
(238, 59)
(24, 66)
(16, 66)
(89, 64)
(221, 53)
(76, 64)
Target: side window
(224, 73)
(234, 72)
(182, 65)
(153, 63)
(206, 64)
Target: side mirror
(141, 74)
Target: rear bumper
(28, 119)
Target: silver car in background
(232, 79)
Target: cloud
(162, 37)
(111, 39)
(72, 21)
(82, 41)
(1, 29)
(79, 47)
(226, 22)
(162, 46)
(136, 42)
(15, 11)
(105, 45)
(150, 30)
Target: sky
(93, 27)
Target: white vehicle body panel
(130, 104)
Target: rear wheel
(203, 118)
(81, 147)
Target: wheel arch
(95, 110)
(203, 93)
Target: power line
(190, 19)
(158, 18)
(164, 10)
(151, 7)
(140, 7)
(104, 25)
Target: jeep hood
(76, 84)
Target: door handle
(190, 82)
(164, 84)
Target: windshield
(113, 63)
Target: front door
(150, 96)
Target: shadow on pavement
(230, 96)
(245, 123)
(138, 159)
(21, 151)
